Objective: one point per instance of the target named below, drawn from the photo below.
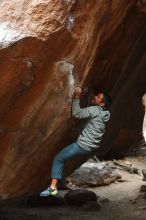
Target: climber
(89, 139)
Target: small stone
(128, 163)
(116, 182)
(143, 188)
(104, 200)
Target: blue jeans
(65, 154)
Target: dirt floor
(124, 201)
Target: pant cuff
(56, 177)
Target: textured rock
(47, 47)
(94, 174)
(144, 120)
(121, 68)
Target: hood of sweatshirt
(105, 114)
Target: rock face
(123, 61)
(144, 121)
(46, 48)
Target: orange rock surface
(47, 47)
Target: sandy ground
(125, 202)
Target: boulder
(47, 47)
(93, 174)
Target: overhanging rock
(46, 49)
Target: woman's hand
(77, 92)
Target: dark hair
(106, 97)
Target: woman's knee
(57, 158)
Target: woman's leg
(60, 159)
(53, 183)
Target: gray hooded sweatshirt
(94, 128)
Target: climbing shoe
(49, 191)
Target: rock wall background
(144, 121)
(122, 64)
(47, 47)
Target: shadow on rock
(36, 200)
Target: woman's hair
(107, 99)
